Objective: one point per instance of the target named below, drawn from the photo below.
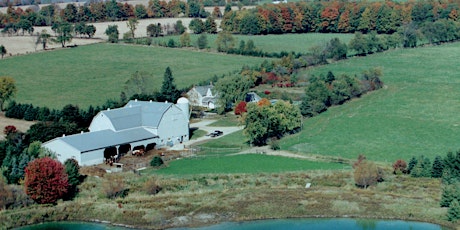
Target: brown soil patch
(132, 163)
(21, 125)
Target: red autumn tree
(9, 129)
(46, 180)
(240, 108)
(400, 166)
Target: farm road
(204, 125)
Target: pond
(291, 224)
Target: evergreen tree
(169, 92)
(73, 175)
(449, 193)
(413, 161)
(453, 214)
(437, 168)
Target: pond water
(291, 224)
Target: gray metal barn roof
(136, 114)
(89, 141)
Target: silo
(184, 104)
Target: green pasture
(299, 43)
(247, 163)
(89, 75)
(417, 113)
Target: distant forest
(384, 17)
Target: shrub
(366, 173)
(9, 129)
(274, 144)
(156, 161)
(6, 194)
(45, 180)
(400, 166)
(151, 186)
(114, 186)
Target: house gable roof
(203, 90)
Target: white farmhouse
(203, 96)
(114, 132)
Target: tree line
(100, 11)
(337, 16)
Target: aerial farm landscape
(200, 113)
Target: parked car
(216, 133)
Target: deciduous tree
(63, 32)
(7, 90)
(154, 30)
(44, 38)
(185, 40)
(231, 90)
(366, 174)
(197, 26)
(45, 180)
(225, 41)
(240, 108)
(132, 26)
(139, 83)
(112, 33)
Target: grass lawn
(272, 43)
(228, 120)
(232, 140)
(89, 75)
(247, 163)
(416, 114)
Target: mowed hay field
(415, 114)
(89, 75)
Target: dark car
(216, 133)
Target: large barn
(114, 132)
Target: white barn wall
(65, 151)
(173, 125)
(100, 122)
(92, 157)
